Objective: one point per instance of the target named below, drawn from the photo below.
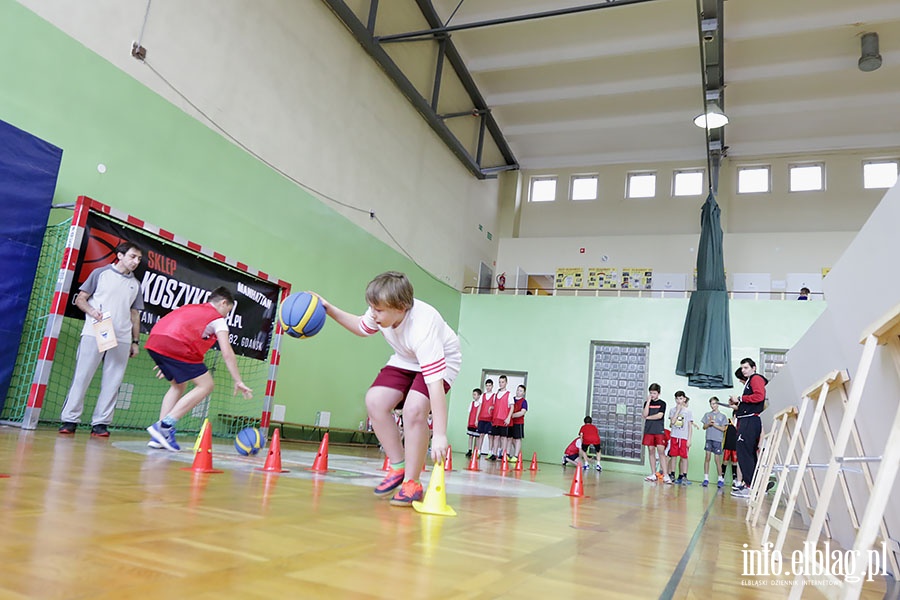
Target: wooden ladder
(885, 332)
(770, 457)
(833, 382)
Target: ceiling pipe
(870, 59)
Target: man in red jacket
(747, 407)
(177, 344)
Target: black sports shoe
(99, 430)
(68, 428)
(469, 454)
(770, 484)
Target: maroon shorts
(678, 447)
(729, 456)
(654, 439)
(403, 381)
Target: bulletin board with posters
(569, 278)
(603, 278)
(637, 278)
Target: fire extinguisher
(501, 281)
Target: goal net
(173, 272)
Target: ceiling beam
(365, 39)
(439, 29)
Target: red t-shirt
(501, 408)
(178, 334)
(589, 434)
(487, 407)
(473, 414)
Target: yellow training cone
(435, 501)
(200, 435)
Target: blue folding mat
(29, 167)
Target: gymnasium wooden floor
(98, 519)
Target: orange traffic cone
(533, 466)
(473, 463)
(273, 460)
(519, 463)
(504, 464)
(448, 462)
(203, 462)
(3, 476)
(387, 463)
(320, 465)
(577, 489)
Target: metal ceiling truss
(440, 33)
(711, 26)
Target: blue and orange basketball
(302, 315)
(248, 441)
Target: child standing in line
(517, 422)
(417, 376)
(472, 424)
(590, 443)
(654, 439)
(715, 424)
(177, 344)
(485, 415)
(680, 419)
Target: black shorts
(473, 431)
(484, 427)
(177, 370)
(591, 449)
(500, 430)
(517, 431)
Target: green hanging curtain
(705, 353)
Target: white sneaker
(154, 444)
(650, 478)
(743, 492)
(667, 479)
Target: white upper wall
(288, 81)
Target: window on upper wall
(641, 185)
(584, 187)
(879, 174)
(543, 189)
(808, 177)
(754, 180)
(687, 183)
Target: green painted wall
(172, 171)
(550, 338)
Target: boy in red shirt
(472, 424)
(572, 453)
(177, 344)
(590, 444)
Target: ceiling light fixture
(712, 119)
(870, 59)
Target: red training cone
(504, 464)
(320, 465)
(473, 463)
(519, 463)
(273, 460)
(533, 466)
(203, 462)
(577, 489)
(386, 466)
(448, 462)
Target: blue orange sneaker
(410, 491)
(390, 483)
(164, 436)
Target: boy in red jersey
(472, 424)
(503, 405)
(177, 344)
(417, 376)
(517, 422)
(485, 412)
(590, 443)
(572, 453)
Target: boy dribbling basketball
(417, 377)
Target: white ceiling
(622, 84)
